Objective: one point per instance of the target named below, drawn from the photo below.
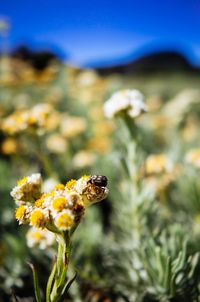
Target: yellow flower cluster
(158, 163)
(41, 116)
(28, 189)
(60, 209)
(160, 171)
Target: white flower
(40, 237)
(28, 189)
(129, 101)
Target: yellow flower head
(64, 220)
(59, 187)
(71, 184)
(22, 181)
(39, 203)
(38, 218)
(31, 120)
(59, 204)
(47, 195)
(9, 146)
(158, 163)
(20, 214)
(85, 177)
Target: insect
(98, 180)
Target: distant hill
(38, 59)
(150, 63)
(161, 61)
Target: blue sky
(105, 31)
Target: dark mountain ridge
(158, 61)
(150, 63)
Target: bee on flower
(127, 101)
(61, 208)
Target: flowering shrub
(58, 211)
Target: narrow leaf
(35, 282)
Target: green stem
(49, 283)
(131, 127)
(59, 277)
(61, 251)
